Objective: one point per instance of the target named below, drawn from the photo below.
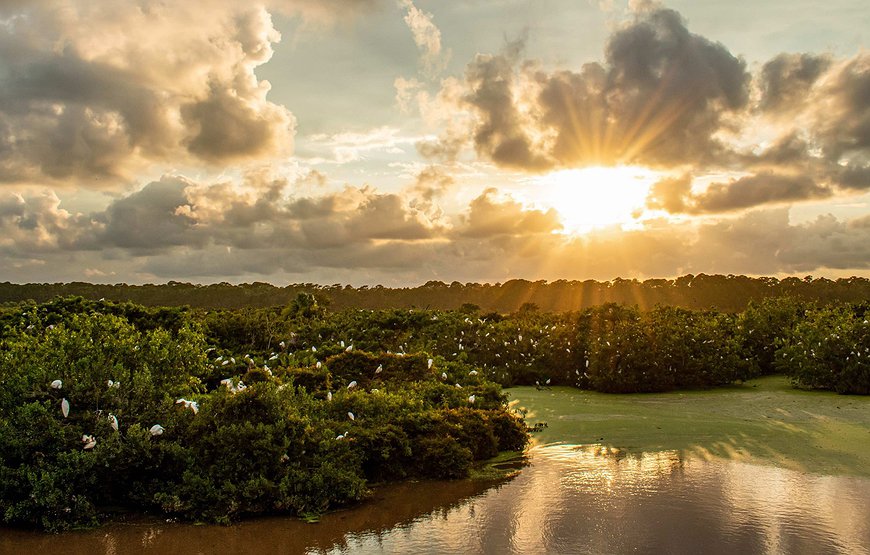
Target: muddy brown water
(569, 499)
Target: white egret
(318, 365)
(349, 349)
(458, 386)
(443, 375)
(89, 441)
(329, 395)
(473, 373)
(351, 416)
(64, 408)
(379, 369)
(56, 384)
(156, 430)
(113, 422)
(192, 405)
(430, 362)
(351, 385)
(471, 399)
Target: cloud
(787, 79)
(150, 219)
(176, 228)
(822, 108)
(501, 132)
(488, 217)
(102, 89)
(427, 37)
(37, 224)
(675, 195)
(659, 99)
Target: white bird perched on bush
(429, 363)
(473, 373)
(443, 375)
(113, 422)
(156, 430)
(64, 407)
(329, 395)
(89, 441)
(57, 384)
(379, 369)
(113, 384)
(341, 436)
(471, 399)
(351, 416)
(192, 405)
(349, 349)
(318, 365)
(458, 386)
(351, 385)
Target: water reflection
(571, 499)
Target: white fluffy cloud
(102, 88)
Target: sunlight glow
(596, 197)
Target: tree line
(731, 293)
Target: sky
(396, 142)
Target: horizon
(443, 282)
(397, 142)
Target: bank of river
(759, 468)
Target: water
(569, 499)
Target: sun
(596, 197)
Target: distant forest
(729, 293)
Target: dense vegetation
(729, 293)
(211, 415)
(106, 407)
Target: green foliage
(296, 410)
(829, 349)
(189, 445)
(764, 326)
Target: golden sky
(401, 141)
